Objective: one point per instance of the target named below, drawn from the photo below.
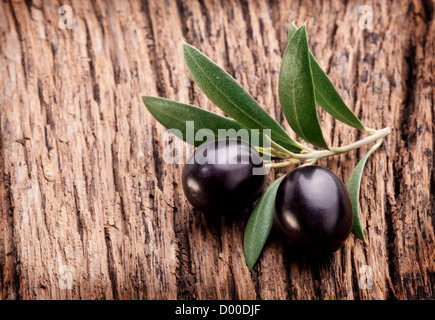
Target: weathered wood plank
(89, 209)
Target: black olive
(224, 175)
(313, 209)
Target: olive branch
(302, 85)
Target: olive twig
(314, 155)
(309, 163)
(377, 145)
(272, 152)
(370, 130)
(282, 164)
(277, 146)
(380, 134)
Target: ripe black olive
(224, 175)
(313, 209)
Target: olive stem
(280, 148)
(282, 164)
(309, 163)
(370, 130)
(377, 145)
(302, 147)
(380, 134)
(271, 152)
(316, 155)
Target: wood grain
(89, 210)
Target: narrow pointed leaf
(174, 115)
(330, 100)
(260, 224)
(327, 95)
(227, 94)
(354, 186)
(296, 90)
(291, 31)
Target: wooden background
(89, 210)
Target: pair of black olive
(312, 205)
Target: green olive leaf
(185, 117)
(260, 224)
(296, 90)
(330, 100)
(354, 186)
(291, 31)
(326, 94)
(227, 94)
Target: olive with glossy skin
(313, 209)
(222, 176)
